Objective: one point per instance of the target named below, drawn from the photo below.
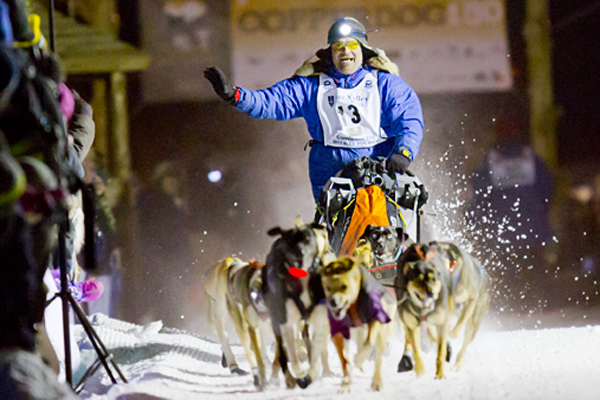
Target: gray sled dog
(432, 282)
(233, 292)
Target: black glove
(220, 84)
(398, 163)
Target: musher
(337, 95)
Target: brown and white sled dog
(292, 291)
(469, 292)
(432, 282)
(357, 301)
(233, 289)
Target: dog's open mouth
(379, 253)
(426, 300)
(338, 313)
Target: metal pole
(64, 293)
(51, 23)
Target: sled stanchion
(419, 212)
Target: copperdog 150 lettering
(407, 15)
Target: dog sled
(366, 193)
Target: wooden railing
(101, 14)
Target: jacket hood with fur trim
(321, 62)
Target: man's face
(347, 55)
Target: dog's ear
(407, 267)
(298, 221)
(402, 235)
(316, 225)
(367, 231)
(339, 266)
(328, 268)
(275, 231)
(425, 252)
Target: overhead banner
(439, 45)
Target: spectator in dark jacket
(511, 206)
(166, 251)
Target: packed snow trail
(160, 363)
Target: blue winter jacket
(401, 118)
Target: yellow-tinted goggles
(351, 45)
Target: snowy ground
(544, 362)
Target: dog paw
(360, 358)
(223, 361)
(419, 368)
(345, 388)
(304, 382)
(290, 381)
(448, 352)
(376, 385)
(237, 370)
(259, 382)
(440, 375)
(274, 381)
(405, 364)
(327, 373)
(458, 364)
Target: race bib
(350, 117)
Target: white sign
(439, 45)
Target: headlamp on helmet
(347, 28)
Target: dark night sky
(576, 36)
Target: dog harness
(369, 307)
(387, 266)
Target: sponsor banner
(182, 37)
(439, 45)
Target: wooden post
(99, 104)
(539, 60)
(544, 113)
(119, 127)
(120, 168)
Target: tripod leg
(98, 346)
(96, 341)
(64, 294)
(91, 370)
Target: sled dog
(356, 300)
(460, 283)
(233, 290)
(423, 289)
(292, 291)
(386, 244)
(469, 292)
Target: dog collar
(297, 272)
